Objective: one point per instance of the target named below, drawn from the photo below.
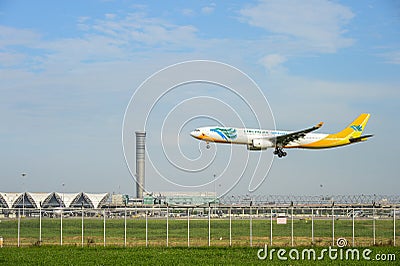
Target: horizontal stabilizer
(360, 138)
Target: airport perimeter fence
(201, 226)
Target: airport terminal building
(11, 200)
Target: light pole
(62, 204)
(23, 193)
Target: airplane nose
(195, 134)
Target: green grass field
(69, 255)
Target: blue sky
(68, 70)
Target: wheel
(208, 146)
(284, 153)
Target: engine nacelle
(260, 144)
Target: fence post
(125, 225)
(40, 222)
(251, 225)
(230, 226)
(83, 214)
(353, 228)
(312, 226)
(209, 225)
(146, 228)
(373, 226)
(61, 227)
(333, 225)
(271, 228)
(292, 227)
(188, 227)
(394, 226)
(167, 224)
(104, 228)
(19, 226)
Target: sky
(77, 75)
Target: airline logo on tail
(357, 128)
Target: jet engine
(260, 144)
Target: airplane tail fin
(355, 129)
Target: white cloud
(273, 62)
(110, 16)
(188, 12)
(138, 27)
(101, 40)
(392, 57)
(12, 36)
(10, 59)
(318, 24)
(83, 19)
(208, 9)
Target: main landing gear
(280, 152)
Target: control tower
(140, 159)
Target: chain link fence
(201, 226)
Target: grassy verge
(70, 255)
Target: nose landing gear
(208, 145)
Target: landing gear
(208, 146)
(280, 152)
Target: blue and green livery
(225, 133)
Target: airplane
(259, 139)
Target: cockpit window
(197, 130)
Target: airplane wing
(283, 140)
